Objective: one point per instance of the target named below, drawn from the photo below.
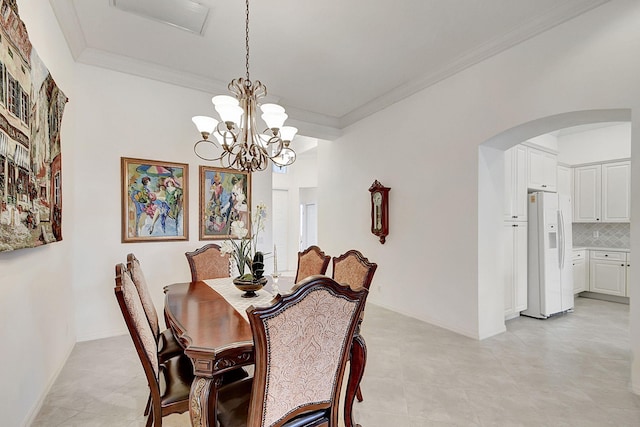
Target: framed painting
(154, 200)
(225, 196)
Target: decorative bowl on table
(249, 286)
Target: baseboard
(33, 413)
(103, 334)
(466, 333)
(604, 297)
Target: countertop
(595, 248)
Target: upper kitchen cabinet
(587, 188)
(602, 192)
(541, 170)
(564, 181)
(515, 179)
(616, 192)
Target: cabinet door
(508, 273)
(515, 268)
(520, 266)
(550, 165)
(580, 281)
(541, 170)
(608, 277)
(515, 179)
(627, 272)
(616, 192)
(586, 193)
(565, 176)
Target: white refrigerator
(550, 271)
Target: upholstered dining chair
(353, 269)
(167, 344)
(175, 373)
(302, 343)
(311, 261)
(208, 263)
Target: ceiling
(329, 63)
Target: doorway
(280, 201)
(490, 198)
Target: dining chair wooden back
(175, 374)
(353, 269)
(208, 263)
(302, 343)
(311, 261)
(167, 344)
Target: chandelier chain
(247, 42)
(243, 147)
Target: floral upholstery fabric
(210, 265)
(350, 272)
(309, 264)
(145, 297)
(141, 324)
(305, 343)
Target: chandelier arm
(195, 150)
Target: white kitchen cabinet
(587, 187)
(515, 271)
(541, 170)
(602, 192)
(616, 192)
(580, 270)
(608, 272)
(565, 177)
(515, 179)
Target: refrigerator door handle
(561, 238)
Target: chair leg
(148, 407)
(150, 420)
(359, 394)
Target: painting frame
(157, 193)
(225, 196)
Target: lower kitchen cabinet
(608, 272)
(515, 277)
(580, 271)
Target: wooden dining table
(209, 321)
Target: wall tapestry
(225, 196)
(31, 108)
(154, 200)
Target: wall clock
(379, 210)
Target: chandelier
(243, 146)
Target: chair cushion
(178, 376)
(168, 346)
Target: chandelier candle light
(243, 146)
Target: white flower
(238, 230)
(226, 248)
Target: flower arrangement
(248, 260)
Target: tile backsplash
(610, 235)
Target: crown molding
(69, 23)
(319, 125)
(556, 16)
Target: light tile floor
(570, 370)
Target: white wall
(596, 145)
(131, 117)
(36, 307)
(302, 174)
(428, 155)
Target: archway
(490, 196)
